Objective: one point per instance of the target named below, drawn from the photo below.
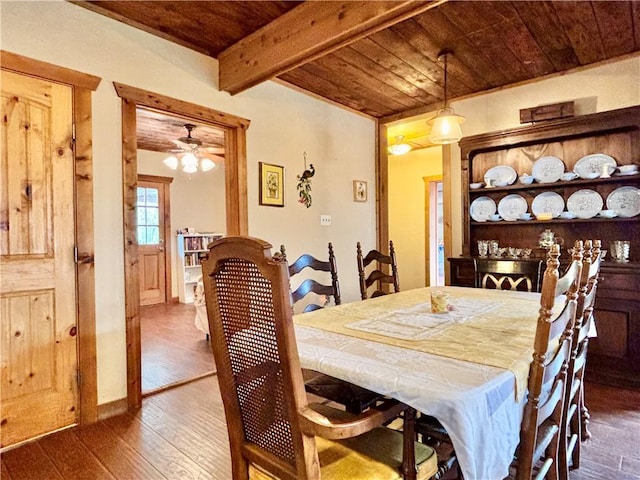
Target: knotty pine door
(39, 389)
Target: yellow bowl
(544, 216)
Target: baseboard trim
(179, 383)
(111, 409)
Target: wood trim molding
(111, 409)
(144, 98)
(36, 68)
(154, 178)
(382, 188)
(305, 33)
(236, 201)
(447, 198)
(82, 85)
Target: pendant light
(445, 126)
(399, 148)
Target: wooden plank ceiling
(389, 69)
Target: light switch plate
(325, 220)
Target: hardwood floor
(173, 349)
(181, 434)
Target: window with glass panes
(148, 216)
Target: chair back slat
(323, 291)
(380, 274)
(507, 274)
(248, 305)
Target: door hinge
(75, 254)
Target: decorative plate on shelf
(591, 165)
(501, 174)
(547, 169)
(625, 201)
(547, 202)
(482, 208)
(512, 206)
(585, 203)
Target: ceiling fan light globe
(190, 169)
(446, 127)
(206, 165)
(190, 160)
(171, 162)
(399, 148)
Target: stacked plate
(585, 203)
(625, 201)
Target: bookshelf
(192, 248)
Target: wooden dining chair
(322, 292)
(380, 275)
(540, 437)
(273, 432)
(508, 274)
(576, 419)
(355, 399)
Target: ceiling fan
(192, 155)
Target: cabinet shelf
(627, 179)
(503, 223)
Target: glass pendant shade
(171, 162)
(189, 161)
(206, 165)
(446, 127)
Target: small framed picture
(271, 185)
(359, 191)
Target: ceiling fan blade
(184, 146)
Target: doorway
(434, 229)
(235, 202)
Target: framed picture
(359, 191)
(271, 185)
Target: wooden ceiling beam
(305, 33)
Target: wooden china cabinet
(614, 355)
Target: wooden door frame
(166, 210)
(235, 129)
(428, 194)
(82, 84)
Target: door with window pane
(151, 214)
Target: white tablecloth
(474, 402)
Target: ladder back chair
(355, 399)
(540, 438)
(322, 292)
(508, 274)
(273, 432)
(575, 430)
(377, 276)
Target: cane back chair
(540, 438)
(355, 399)
(377, 276)
(575, 430)
(273, 431)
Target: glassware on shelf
(494, 248)
(483, 248)
(620, 250)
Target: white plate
(512, 206)
(625, 201)
(501, 173)
(548, 169)
(626, 174)
(547, 202)
(591, 165)
(482, 208)
(585, 203)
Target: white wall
(197, 201)
(284, 124)
(598, 89)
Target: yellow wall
(407, 211)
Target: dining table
(467, 366)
